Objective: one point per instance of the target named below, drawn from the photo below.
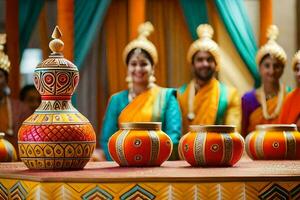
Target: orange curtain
(266, 18)
(44, 35)
(116, 27)
(136, 13)
(12, 31)
(65, 19)
(178, 40)
(172, 40)
(155, 14)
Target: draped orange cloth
(290, 111)
(4, 117)
(12, 31)
(266, 18)
(256, 117)
(65, 19)
(136, 13)
(140, 109)
(155, 14)
(205, 105)
(116, 32)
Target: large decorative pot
(211, 145)
(56, 135)
(7, 150)
(274, 142)
(140, 144)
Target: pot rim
(276, 127)
(141, 126)
(213, 128)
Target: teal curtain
(195, 13)
(29, 12)
(89, 16)
(234, 16)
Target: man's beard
(206, 76)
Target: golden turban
(271, 47)
(142, 42)
(204, 43)
(296, 59)
(4, 61)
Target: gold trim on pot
(213, 128)
(141, 126)
(276, 127)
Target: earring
(151, 79)
(129, 82)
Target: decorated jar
(7, 150)
(211, 145)
(140, 144)
(56, 135)
(274, 142)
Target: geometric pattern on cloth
(22, 189)
(18, 191)
(137, 192)
(97, 193)
(3, 192)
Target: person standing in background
(263, 105)
(12, 111)
(290, 113)
(205, 100)
(144, 101)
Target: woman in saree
(290, 113)
(263, 105)
(144, 101)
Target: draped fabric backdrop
(29, 12)
(195, 13)
(233, 15)
(88, 18)
(21, 18)
(96, 32)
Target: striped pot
(7, 150)
(211, 145)
(274, 142)
(140, 144)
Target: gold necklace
(132, 94)
(263, 100)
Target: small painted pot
(274, 142)
(211, 145)
(7, 150)
(140, 144)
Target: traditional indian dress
(154, 105)
(213, 104)
(252, 112)
(290, 111)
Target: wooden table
(173, 180)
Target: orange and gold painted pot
(56, 136)
(7, 150)
(211, 145)
(140, 144)
(274, 142)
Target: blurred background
(95, 33)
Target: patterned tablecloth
(173, 180)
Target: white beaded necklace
(192, 91)
(263, 100)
